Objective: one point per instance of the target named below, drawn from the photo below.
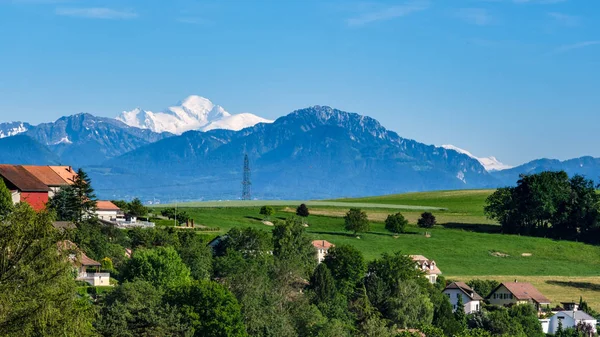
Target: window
(448, 295)
(511, 296)
(477, 306)
(457, 296)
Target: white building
(107, 211)
(429, 267)
(88, 270)
(471, 300)
(322, 248)
(570, 319)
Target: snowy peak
(192, 113)
(13, 128)
(489, 163)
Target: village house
(428, 266)
(84, 264)
(471, 300)
(49, 177)
(517, 293)
(107, 211)
(570, 319)
(322, 247)
(24, 186)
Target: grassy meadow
(465, 244)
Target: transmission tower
(246, 183)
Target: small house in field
(571, 319)
(429, 267)
(471, 300)
(322, 247)
(88, 270)
(517, 293)
(24, 186)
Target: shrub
(396, 223)
(427, 220)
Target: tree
(37, 287)
(209, 308)
(64, 204)
(347, 265)
(322, 284)
(483, 287)
(195, 254)
(122, 204)
(137, 309)
(408, 306)
(396, 223)
(160, 266)
(295, 256)
(356, 221)
(85, 198)
(459, 314)
(248, 241)
(136, 208)
(427, 220)
(267, 211)
(6, 202)
(302, 211)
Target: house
(517, 293)
(107, 211)
(570, 319)
(83, 264)
(24, 186)
(471, 300)
(49, 177)
(427, 266)
(322, 247)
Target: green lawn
(465, 245)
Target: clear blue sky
(518, 79)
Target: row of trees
(548, 204)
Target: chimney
(70, 169)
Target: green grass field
(465, 244)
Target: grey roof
(466, 290)
(577, 315)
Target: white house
(570, 319)
(471, 300)
(517, 293)
(83, 264)
(322, 248)
(429, 267)
(107, 211)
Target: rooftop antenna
(246, 183)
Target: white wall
(469, 305)
(107, 215)
(321, 254)
(567, 322)
(16, 197)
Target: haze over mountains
(316, 152)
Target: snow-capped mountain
(13, 128)
(489, 163)
(193, 113)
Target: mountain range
(317, 152)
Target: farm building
(24, 186)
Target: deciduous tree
(160, 266)
(6, 202)
(267, 211)
(356, 221)
(396, 223)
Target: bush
(396, 223)
(267, 211)
(427, 220)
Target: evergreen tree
(64, 204)
(427, 220)
(84, 197)
(136, 208)
(323, 284)
(6, 202)
(302, 211)
(459, 314)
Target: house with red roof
(24, 186)
(107, 211)
(322, 247)
(49, 177)
(510, 293)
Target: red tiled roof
(22, 179)
(103, 205)
(524, 291)
(65, 172)
(46, 175)
(322, 244)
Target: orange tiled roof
(104, 205)
(65, 172)
(46, 175)
(22, 179)
(322, 244)
(427, 265)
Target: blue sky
(518, 79)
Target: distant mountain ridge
(13, 128)
(193, 113)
